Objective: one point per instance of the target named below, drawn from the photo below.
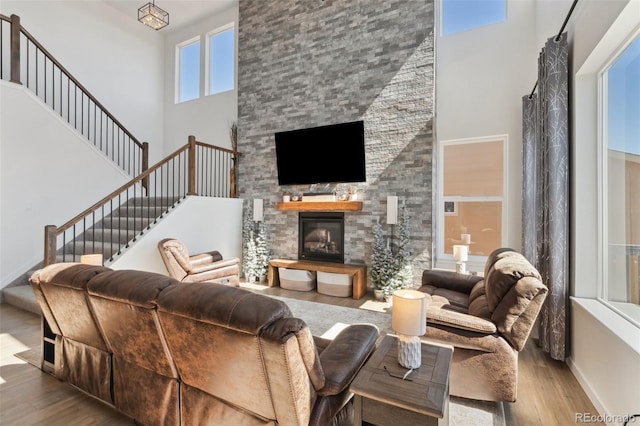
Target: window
(620, 179)
(188, 70)
(471, 196)
(462, 15)
(221, 60)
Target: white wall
(202, 223)
(40, 184)
(123, 64)
(605, 355)
(607, 368)
(208, 118)
(482, 75)
(119, 60)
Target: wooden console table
(358, 273)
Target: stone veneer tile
(306, 63)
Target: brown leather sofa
(487, 319)
(198, 353)
(209, 266)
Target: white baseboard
(584, 383)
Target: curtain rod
(564, 24)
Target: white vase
(378, 294)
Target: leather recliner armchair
(487, 319)
(201, 267)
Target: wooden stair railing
(117, 220)
(31, 65)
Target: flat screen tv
(325, 154)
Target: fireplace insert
(321, 236)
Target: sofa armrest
(345, 355)
(465, 339)
(321, 343)
(205, 258)
(451, 280)
(460, 320)
(216, 265)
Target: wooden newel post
(15, 49)
(191, 190)
(232, 177)
(145, 165)
(50, 246)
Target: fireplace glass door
(321, 236)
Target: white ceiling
(181, 12)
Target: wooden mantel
(314, 206)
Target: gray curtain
(545, 202)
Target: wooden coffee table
(383, 399)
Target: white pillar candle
(258, 213)
(392, 210)
(460, 253)
(466, 238)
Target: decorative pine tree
(381, 261)
(249, 249)
(262, 249)
(404, 269)
(391, 271)
(255, 247)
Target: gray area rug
(327, 320)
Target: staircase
(119, 229)
(119, 219)
(109, 237)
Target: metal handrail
(53, 83)
(187, 171)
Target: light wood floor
(548, 394)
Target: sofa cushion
(504, 273)
(456, 300)
(439, 312)
(478, 302)
(515, 293)
(223, 305)
(131, 287)
(64, 288)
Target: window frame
(178, 68)
(209, 35)
(442, 20)
(475, 262)
(627, 310)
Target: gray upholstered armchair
(487, 319)
(201, 267)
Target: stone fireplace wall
(307, 63)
